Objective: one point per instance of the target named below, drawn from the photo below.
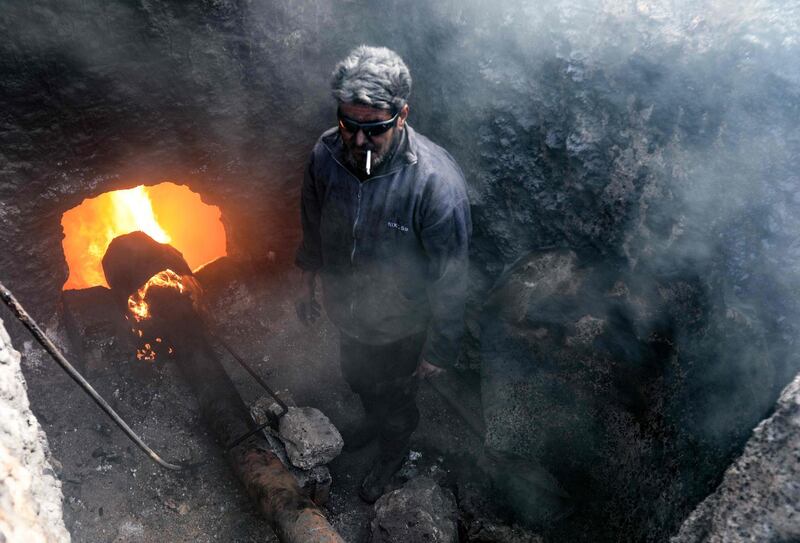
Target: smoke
(659, 134)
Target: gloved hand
(306, 305)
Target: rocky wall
(758, 498)
(30, 492)
(624, 128)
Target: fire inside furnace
(138, 304)
(167, 212)
(139, 307)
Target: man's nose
(361, 139)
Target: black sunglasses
(370, 129)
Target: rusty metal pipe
(294, 517)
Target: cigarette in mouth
(369, 161)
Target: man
(386, 224)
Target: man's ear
(401, 118)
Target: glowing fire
(139, 307)
(168, 213)
(137, 302)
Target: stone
(482, 514)
(316, 481)
(309, 436)
(30, 494)
(759, 497)
(418, 512)
(266, 406)
(96, 328)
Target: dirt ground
(114, 493)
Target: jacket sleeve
(309, 254)
(445, 237)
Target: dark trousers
(381, 376)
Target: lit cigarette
(369, 161)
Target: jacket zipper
(355, 241)
(355, 224)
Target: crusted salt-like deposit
(30, 493)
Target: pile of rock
(306, 441)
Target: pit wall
(759, 499)
(30, 492)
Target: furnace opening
(167, 212)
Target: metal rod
(251, 433)
(250, 370)
(23, 316)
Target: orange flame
(140, 308)
(168, 213)
(137, 303)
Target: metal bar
(251, 433)
(250, 370)
(23, 316)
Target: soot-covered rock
(97, 331)
(418, 512)
(132, 259)
(759, 498)
(311, 439)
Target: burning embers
(119, 238)
(155, 289)
(169, 292)
(137, 302)
(168, 213)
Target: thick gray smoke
(658, 140)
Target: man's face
(357, 144)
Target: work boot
(380, 475)
(360, 435)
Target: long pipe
(294, 517)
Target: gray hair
(373, 76)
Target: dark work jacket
(392, 251)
